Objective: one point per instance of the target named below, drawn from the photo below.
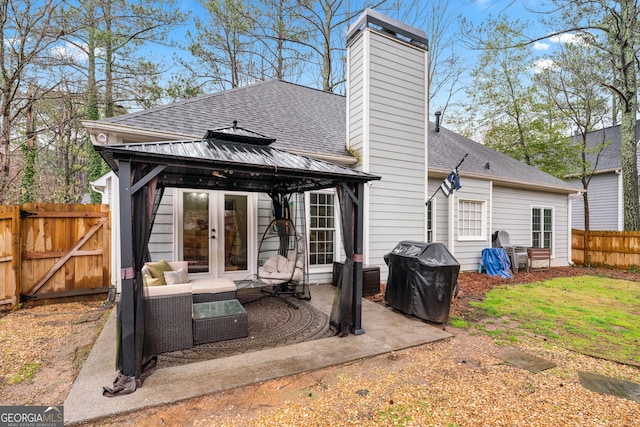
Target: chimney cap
(415, 36)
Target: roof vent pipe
(438, 113)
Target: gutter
(597, 172)
(333, 158)
(508, 182)
(98, 128)
(100, 135)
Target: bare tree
(222, 44)
(28, 31)
(446, 68)
(326, 22)
(279, 32)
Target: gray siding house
(381, 127)
(605, 193)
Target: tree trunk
(629, 90)
(29, 151)
(585, 201)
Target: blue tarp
(496, 262)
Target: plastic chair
(517, 253)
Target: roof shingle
(303, 119)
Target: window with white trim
(471, 220)
(541, 227)
(322, 228)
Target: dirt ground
(457, 381)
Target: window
(430, 222)
(322, 228)
(541, 227)
(471, 220)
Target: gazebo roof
(232, 159)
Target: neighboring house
(605, 192)
(380, 127)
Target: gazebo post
(126, 309)
(358, 259)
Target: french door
(217, 233)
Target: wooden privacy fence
(52, 251)
(617, 249)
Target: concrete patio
(385, 330)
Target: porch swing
(281, 266)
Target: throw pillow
(176, 277)
(157, 270)
(150, 281)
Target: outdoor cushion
(219, 284)
(270, 265)
(157, 270)
(176, 277)
(283, 264)
(148, 280)
(279, 269)
(156, 291)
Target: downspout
(620, 224)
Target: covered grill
(422, 277)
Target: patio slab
(385, 330)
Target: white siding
(162, 234)
(469, 252)
(512, 213)
(604, 209)
(355, 98)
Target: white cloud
(566, 38)
(69, 52)
(542, 64)
(541, 46)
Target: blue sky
(475, 11)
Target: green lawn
(598, 316)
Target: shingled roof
(446, 148)
(610, 158)
(310, 121)
(299, 118)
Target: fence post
(16, 256)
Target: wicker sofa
(168, 310)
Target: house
(605, 192)
(380, 127)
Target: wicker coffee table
(219, 320)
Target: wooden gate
(9, 256)
(52, 251)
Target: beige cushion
(177, 265)
(157, 270)
(176, 277)
(156, 291)
(270, 265)
(282, 264)
(212, 286)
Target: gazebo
(235, 159)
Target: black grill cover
(421, 279)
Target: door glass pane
(235, 232)
(196, 230)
